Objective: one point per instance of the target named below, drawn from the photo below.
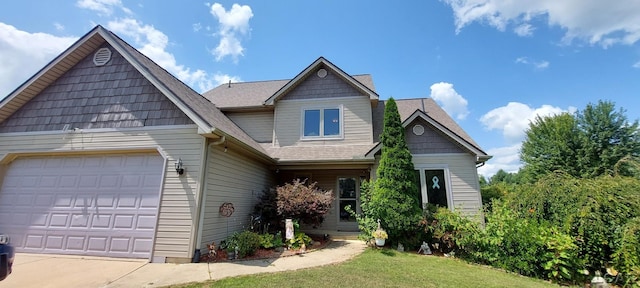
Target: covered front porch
(345, 184)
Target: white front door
(102, 205)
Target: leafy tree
(483, 181)
(607, 137)
(589, 144)
(551, 144)
(505, 177)
(395, 198)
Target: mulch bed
(319, 242)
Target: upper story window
(322, 123)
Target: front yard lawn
(385, 268)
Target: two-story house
(103, 152)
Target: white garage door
(87, 205)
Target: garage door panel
(90, 205)
(140, 245)
(98, 244)
(124, 221)
(39, 220)
(56, 242)
(63, 201)
(145, 222)
(31, 241)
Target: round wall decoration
(226, 209)
(418, 129)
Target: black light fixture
(179, 167)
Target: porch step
(343, 235)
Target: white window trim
(423, 183)
(340, 136)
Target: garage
(99, 205)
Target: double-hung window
(322, 123)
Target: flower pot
(380, 242)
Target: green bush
(523, 245)
(627, 258)
(298, 240)
(269, 241)
(266, 241)
(246, 241)
(367, 221)
(593, 211)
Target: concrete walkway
(66, 271)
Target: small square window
(322, 123)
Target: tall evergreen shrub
(395, 198)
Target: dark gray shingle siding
(87, 96)
(327, 87)
(431, 142)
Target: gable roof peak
(321, 61)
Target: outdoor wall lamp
(179, 167)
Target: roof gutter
(262, 155)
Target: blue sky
(491, 64)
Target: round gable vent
(102, 56)
(322, 73)
(418, 129)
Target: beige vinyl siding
(356, 121)
(177, 212)
(235, 178)
(259, 125)
(463, 176)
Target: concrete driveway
(39, 270)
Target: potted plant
(380, 236)
(230, 245)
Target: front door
(348, 196)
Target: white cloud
(103, 7)
(506, 158)
(539, 65)
(514, 118)
(22, 54)
(153, 43)
(524, 30)
(452, 102)
(598, 22)
(58, 26)
(233, 24)
(220, 78)
(197, 27)
(636, 65)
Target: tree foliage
(607, 137)
(587, 144)
(393, 197)
(551, 144)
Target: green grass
(385, 268)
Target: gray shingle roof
(253, 94)
(318, 153)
